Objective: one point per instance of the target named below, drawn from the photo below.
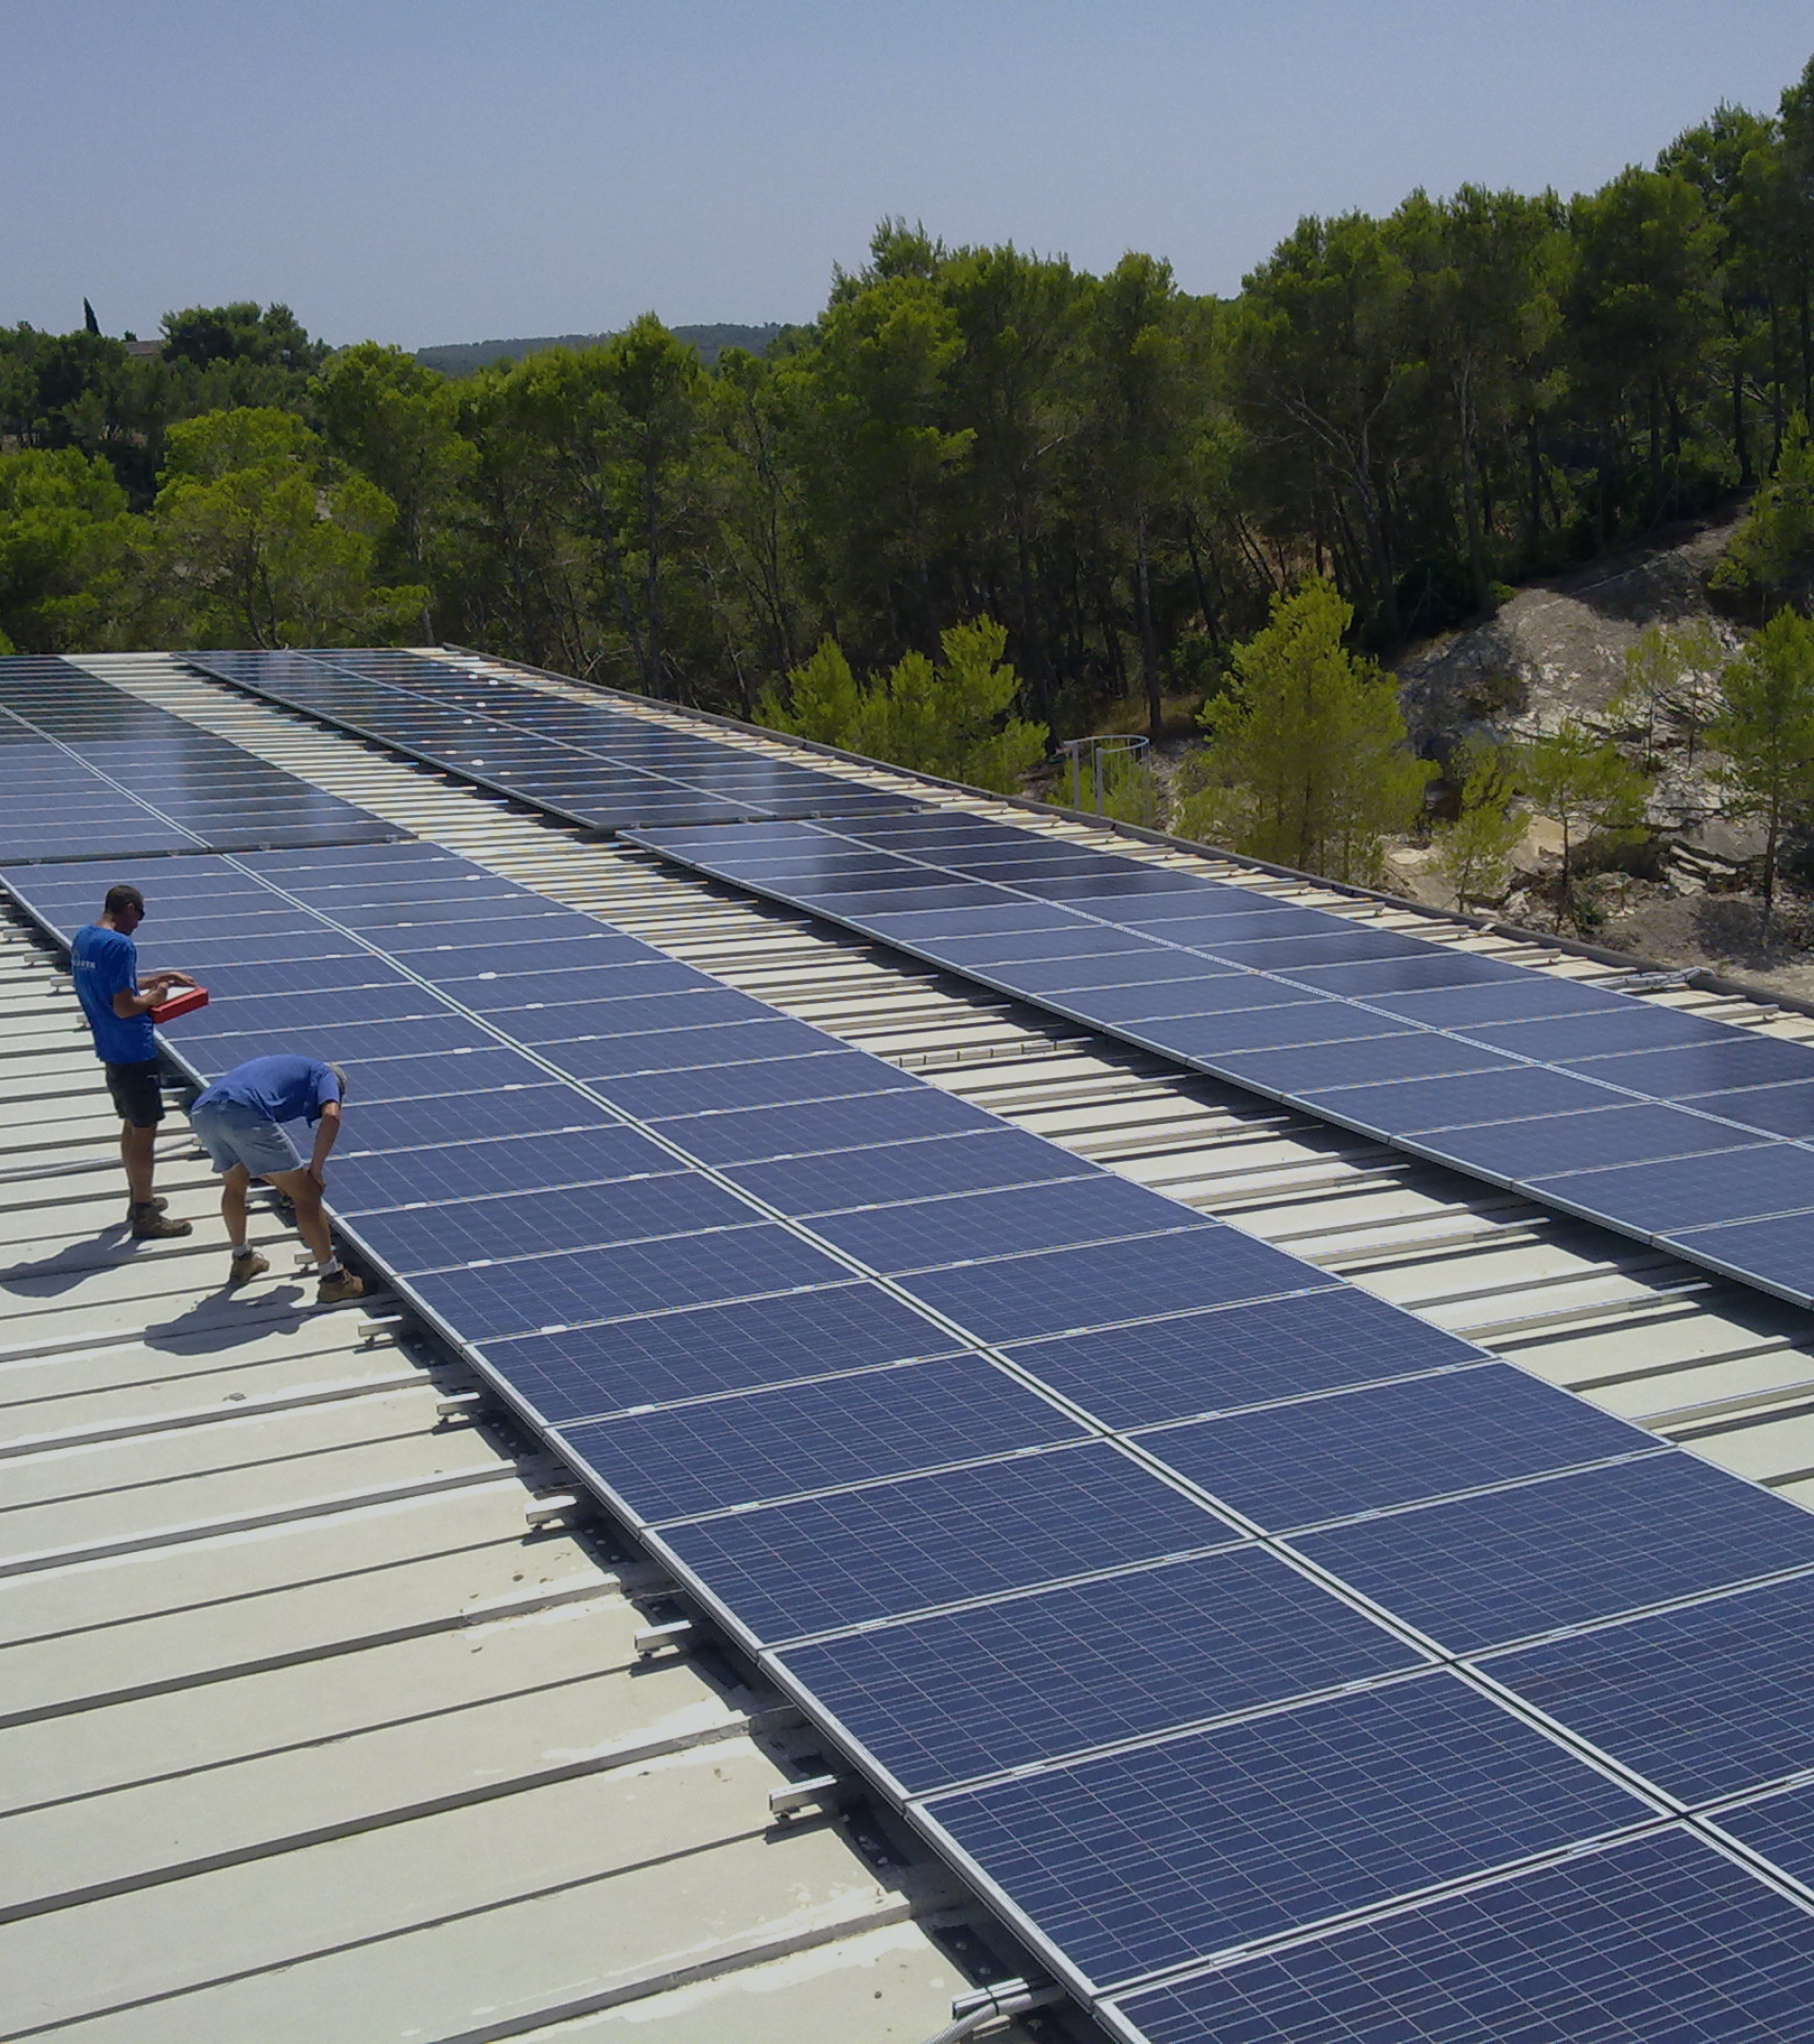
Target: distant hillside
(462, 357)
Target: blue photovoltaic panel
(1773, 1110)
(464, 1170)
(1690, 1192)
(1134, 1862)
(1637, 1134)
(922, 1232)
(1361, 1450)
(1232, 1357)
(1517, 1094)
(1590, 1034)
(1015, 1298)
(533, 1106)
(1779, 1253)
(1066, 976)
(1514, 1563)
(1273, 1028)
(1709, 1068)
(756, 1135)
(703, 1351)
(589, 1285)
(1511, 994)
(913, 1171)
(637, 1052)
(1297, 954)
(943, 1699)
(690, 1460)
(896, 1548)
(1782, 1829)
(1421, 1055)
(1222, 997)
(1660, 1940)
(826, 1075)
(1707, 1701)
(456, 1232)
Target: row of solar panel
(597, 766)
(1657, 1123)
(93, 773)
(916, 1476)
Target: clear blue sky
(445, 170)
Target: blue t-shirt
(282, 1088)
(104, 964)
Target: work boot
(148, 1225)
(244, 1267)
(337, 1290)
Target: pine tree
(1306, 761)
(1765, 732)
(1474, 853)
(1589, 789)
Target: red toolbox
(185, 1000)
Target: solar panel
(686, 1460)
(699, 1351)
(1782, 1829)
(1134, 1862)
(837, 1180)
(1015, 1298)
(531, 1294)
(1511, 1564)
(1230, 1358)
(465, 1170)
(1331, 1457)
(789, 1571)
(942, 1699)
(1659, 1938)
(918, 1234)
(1639, 1133)
(1382, 1030)
(95, 773)
(1706, 1702)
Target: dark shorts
(136, 1092)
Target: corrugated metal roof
(309, 1733)
(1699, 1359)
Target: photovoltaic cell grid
(589, 763)
(1664, 1126)
(93, 773)
(973, 1580)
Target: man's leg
(139, 1155)
(304, 1194)
(247, 1262)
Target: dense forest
(1414, 410)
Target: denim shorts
(231, 1134)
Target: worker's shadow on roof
(47, 1277)
(225, 1319)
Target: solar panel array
(589, 763)
(1662, 1125)
(93, 773)
(1265, 1655)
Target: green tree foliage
(952, 717)
(1666, 671)
(1587, 788)
(256, 542)
(1771, 554)
(268, 335)
(1765, 730)
(66, 548)
(1305, 760)
(1474, 853)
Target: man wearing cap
(104, 962)
(239, 1121)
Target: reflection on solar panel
(1659, 1938)
(859, 1364)
(593, 764)
(1483, 1066)
(93, 773)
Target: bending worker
(238, 1120)
(104, 962)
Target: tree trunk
(1149, 638)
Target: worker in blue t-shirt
(239, 1122)
(105, 963)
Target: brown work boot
(247, 1265)
(337, 1290)
(148, 1225)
